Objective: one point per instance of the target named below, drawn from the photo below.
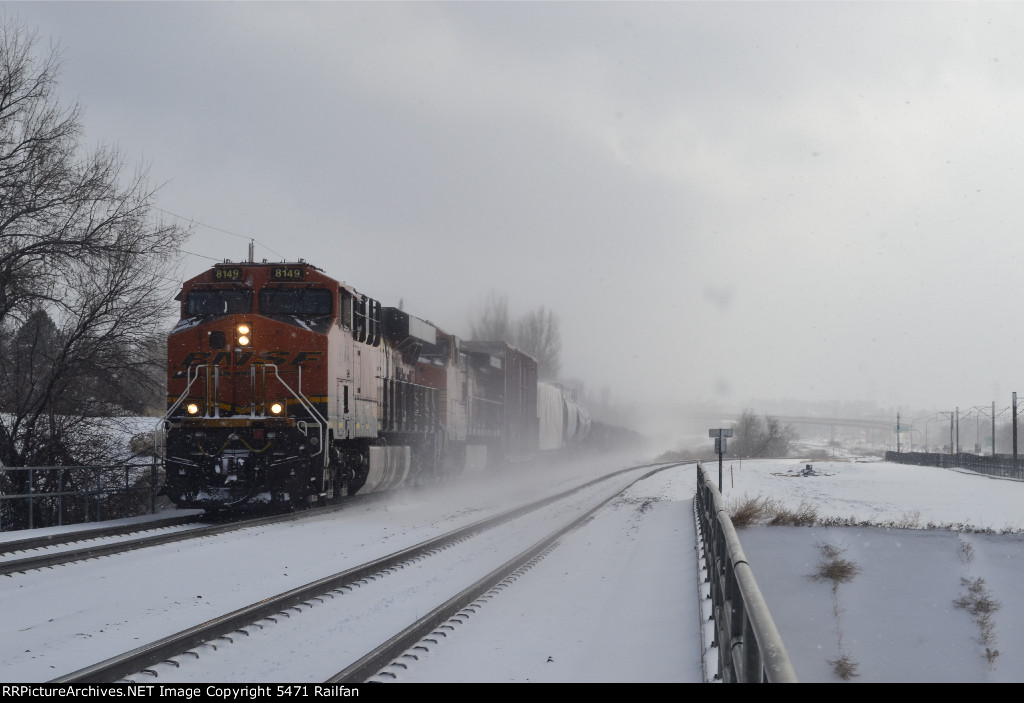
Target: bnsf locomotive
(286, 386)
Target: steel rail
(42, 561)
(53, 540)
(138, 659)
(387, 652)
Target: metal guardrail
(47, 496)
(750, 647)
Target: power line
(218, 229)
(201, 256)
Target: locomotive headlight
(244, 335)
(192, 408)
(276, 408)
(243, 329)
(243, 340)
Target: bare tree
(757, 437)
(747, 433)
(777, 437)
(491, 322)
(537, 333)
(82, 271)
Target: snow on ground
(616, 602)
(61, 619)
(879, 492)
(897, 619)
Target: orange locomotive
(286, 386)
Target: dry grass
(829, 551)
(749, 511)
(978, 601)
(835, 569)
(759, 510)
(805, 515)
(844, 667)
(966, 552)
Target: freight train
(287, 387)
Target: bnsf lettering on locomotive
(286, 273)
(224, 359)
(195, 358)
(306, 356)
(275, 357)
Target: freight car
(286, 386)
(563, 422)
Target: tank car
(287, 387)
(563, 423)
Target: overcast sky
(723, 201)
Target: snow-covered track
(53, 540)
(165, 658)
(53, 558)
(386, 660)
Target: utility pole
(950, 413)
(993, 428)
(977, 434)
(1015, 433)
(898, 450)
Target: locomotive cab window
(359, 319)
(302, 302)
(202, 303)
(346, 309)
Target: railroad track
(53, 557)
(85, 535)
(426, 567)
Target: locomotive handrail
(184, 394)
(193, 375)
(161, 424)
(307, 404)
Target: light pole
(991, 414)
(933, 418)
(898, 428)
(926, 420)
(952, 445)
(1013, 409)
(977, 424)
(977, 433)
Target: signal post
(719, 436)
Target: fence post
(60, 496)
(152, 486)
(31, 501)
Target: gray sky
(723, 201)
